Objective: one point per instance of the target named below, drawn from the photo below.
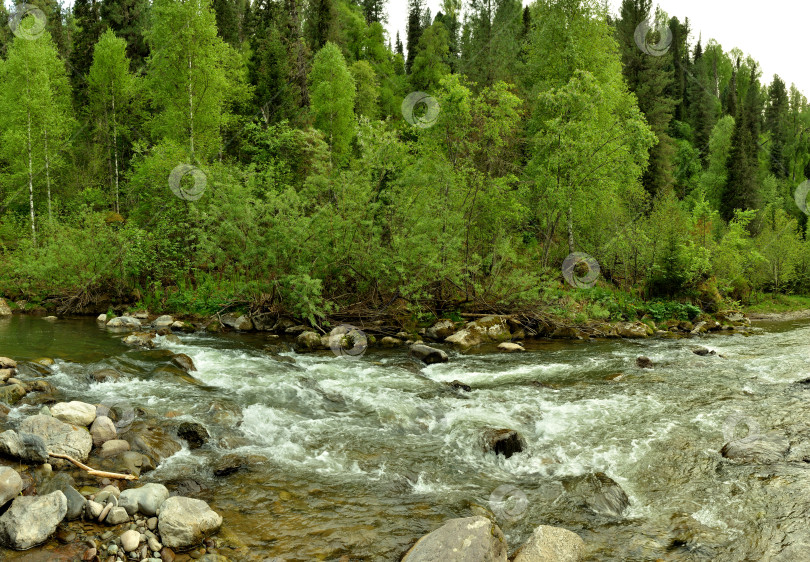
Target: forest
(290, 155)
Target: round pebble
(130, 540)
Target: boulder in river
(309, 341)
(164, 321)
(59, 437)
(551, 544)
(488, 329)
(75, 412)
(468, 539)
(768, 448)
(6, 363)
(644, 362)
(702, 351)
(237, 322)
(441, 330)
(458, 385)
(10, 484)
(633, 330)
(31, 520)
(504, 442)
(147, 499)
(62, 481)
(185, 522)
(5, 310)
(140, 339)
(23, 446)
(102, 430)
(193, 433)
(101, 318)
(510, 347)
(184, 362)
(428, 355)
(12, 393)
(598, 492)
(105, 375)
(124, 322)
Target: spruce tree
(741, 189)
(703, 105)
(332, 91)
(399, 49)
(777, 121)
(414, 31)
(88, 28)
(129, 19)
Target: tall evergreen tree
(431, 63)
(777, 123)
(374, 10)
(227, 21)
(414, 31)
(703, 104)
(319, 17)
(399, 49)
(129, 19)
(650, 78)
(681, 67)
(741, 189)
(88, 28)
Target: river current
(362, 456)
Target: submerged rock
(59, 437)
(702, 351)
(105, 375)
(185, 522)
(428, 355)
(458, 385)
(768, 448)
(193, 433)
(551, 544)
(599, 493)
(32, 519)
(468, 539)
(644, 362)
(504, 442)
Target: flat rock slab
(31, 520)
(59, 437)
(768, 448)
(23, 446)
(428, 355)
(469, 539)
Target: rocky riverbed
(242, 467)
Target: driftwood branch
(92, 471)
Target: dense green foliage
(196, 154)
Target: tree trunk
(570, 229)
(115, 149)
(31, 181)
(48, 175)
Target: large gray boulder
(5, 310)
(428, 355)
(441, 330)
(146, 499)
(77, 413)
(551, 544)
(241, 323)
(31, 520)
(23, 446)
(470, 539)
(102, 430)
(185, 522)
(597, 492)
(10, 484)
(59, 437)
(309, 341)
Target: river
(362, 456)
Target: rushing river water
(363, 456)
